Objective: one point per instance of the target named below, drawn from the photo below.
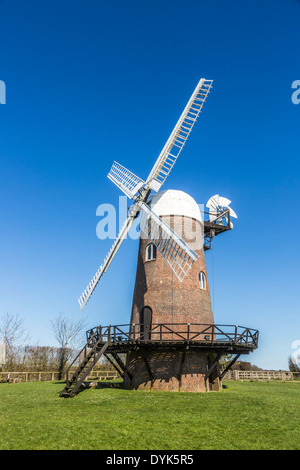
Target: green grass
(243, 416)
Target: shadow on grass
(111, 385)
(92, 385)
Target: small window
(150, 252)
(202, 280)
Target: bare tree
(13, 336)
(293, 366)
(67, 334)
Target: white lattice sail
(175, 251)
(85, 296)
(127, 181)
(179, 136)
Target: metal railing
(175, 332)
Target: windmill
(171, 342)
(175, 251)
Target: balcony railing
(175, 332)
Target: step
(65, 394)
(79, 375)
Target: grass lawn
(245, 415)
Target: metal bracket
(121, 364)
(181, 364)
(147, 366)
(114, 365)
(214, 364)
(229, 366)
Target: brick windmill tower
(171, 342)
(168, 309)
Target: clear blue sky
(92, 82)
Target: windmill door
(146, 323)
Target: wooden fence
(259, 375)
(50, 376)
(111, 375)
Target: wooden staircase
(91, 358)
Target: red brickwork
(157, 286)
(165, 366)
(171, 302)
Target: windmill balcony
(207, 336)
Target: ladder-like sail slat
(127, 181)
(85, 296)
(174, 144)
(175, 251)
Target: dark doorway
(146, 323)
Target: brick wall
(165, 365)
(157, 286)
(171, 302)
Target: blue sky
(91, 82)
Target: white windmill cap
(173, 202)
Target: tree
(293, 365)
(13, 336)
(67, 334)
(225, 360)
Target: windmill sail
(179, 136)
(128, 182)
(175, 251)
(85, 296)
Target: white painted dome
(173, 202)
